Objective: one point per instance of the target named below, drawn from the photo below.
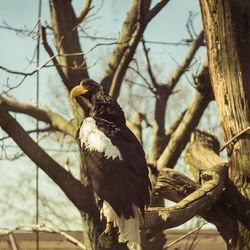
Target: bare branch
(143, 78)
(47, 229)
(173, 185)
(198, 202)
(235, 137)
(158, 126)
(180, 137)
(135, 125)
(13, 241)
(197, 229)
(54, 119)
(155, 10)
(84, 12)
(41, 130)
(163, 93)
(63, 22)
(183, 67)
(51, 54)
(130, 36)
(149, 68)
(17, 72)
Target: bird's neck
(103, 106)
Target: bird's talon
(109, 237)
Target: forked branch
(56, 121)
(84, 12)
(196, 203)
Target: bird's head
(87, 88)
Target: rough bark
(196, 203)
(226, 25)
(73, 67)
(64, 26)
(202, 154)
(193, 199)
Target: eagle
(114, 161)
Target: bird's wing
(135, 181)
(127, 143)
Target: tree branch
(132, 30)
(52, 55)
(81, 196)
(84, 12)
(202, 154)
(135, 125)
(183, 67)
(148, 64)
(40, 130)
(173, 185)
(155, 10)
(180, 137)
(54, 119)
(163, 93)
(63, 22)
(47, 229)
(196, 203)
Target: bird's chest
(93, 139)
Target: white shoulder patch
(94, 139)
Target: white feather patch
(94, 139)
(128, 228)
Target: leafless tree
(216, 194)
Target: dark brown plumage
(113, 157)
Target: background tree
(125, 77)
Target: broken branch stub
(202, 155)
(173, 185)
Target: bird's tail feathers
(128, 228)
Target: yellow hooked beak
(78, 90)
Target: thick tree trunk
(73, 65)
(227, 33)
(64, 26)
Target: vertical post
(37, 122)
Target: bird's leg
(109, 237)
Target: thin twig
(52, 58)
(51, 54)
(144, 79)
(172, 81)
(185, 236)
(235, 137)
(183, 42)
(42, 130)
(13, 242)
(149, 67)
(47, 229)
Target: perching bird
(114, 161)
